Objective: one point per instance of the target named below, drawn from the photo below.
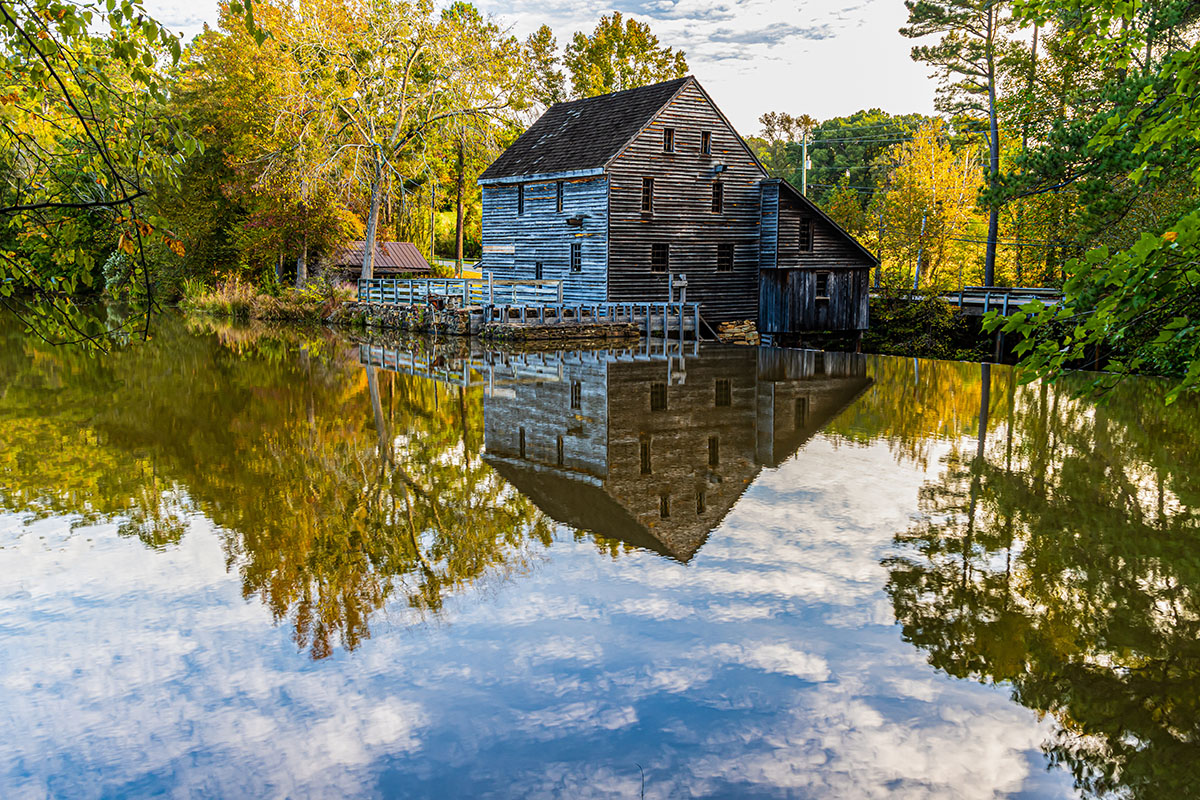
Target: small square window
(576, 395)
(701, 502)
(725, 257)
(706, 143)
(664, 506)
(718, 197)
(520, 199)
(644, 450)
(658, 397)
(576, 257)
(822, 292)
(668, 140)
(724, 394)
(805, 240)
(714, 451)
(660, 257)
(558, 196)
(648, 195)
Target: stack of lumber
(744, 332)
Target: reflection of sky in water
(768, 666)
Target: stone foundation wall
(558, 332)
(422, 318)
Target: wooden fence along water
(507, 301)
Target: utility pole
(804, 164)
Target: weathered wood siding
(513, 244)
(682, 214)
(787, 301)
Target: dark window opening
(668, 140)
(645, 454)
(805, 242)
(706, 142)
(538, 271)
(521, 436)
(664, 506)
(714, 451)
(822, 292)
(560, 451)
(648, 195)
(520, 199)
(576, 257)
(658, 397)
(718, 198)
(576, 395)
(725, 257)
(558, 196)
(724, 393)
(660, 257)
(801, 412)
(701, 502)
(819, 364)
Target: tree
(1131, 306)
(380, 77)
(620, 54)
(968, 55)
(547, 84)
(84, 147)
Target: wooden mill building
(621, 196)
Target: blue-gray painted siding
(512, 244)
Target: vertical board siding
(512, 244)
(787, 288)
(682, 214)
(768, 237)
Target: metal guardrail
(470, 291)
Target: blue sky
(825, 57)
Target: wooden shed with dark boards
(624, 196)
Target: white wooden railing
(469, 291)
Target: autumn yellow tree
(929, 209)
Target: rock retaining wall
(422, 318)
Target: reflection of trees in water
(1059, 554)
(275, 437)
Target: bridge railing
(468, 291)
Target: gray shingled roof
(582, 134)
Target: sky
(826, 58)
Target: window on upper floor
(725, 257)
(647, 195)
(718, 197)
(805, 238)
(520, 199)
(576, 257)
(538, 272)
(558, 196)
(668, 140)
(660, 257)
(706, 143)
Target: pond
(239, 561)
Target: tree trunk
(368, 267)
(302, 263)
(279, 268)
(989, 264)
(458, 222)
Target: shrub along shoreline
(243, 300)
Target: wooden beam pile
(744, 332)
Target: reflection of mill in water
(650, 447)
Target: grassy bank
(239, 299)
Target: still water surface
(244, 562)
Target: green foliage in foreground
(1134, 309)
